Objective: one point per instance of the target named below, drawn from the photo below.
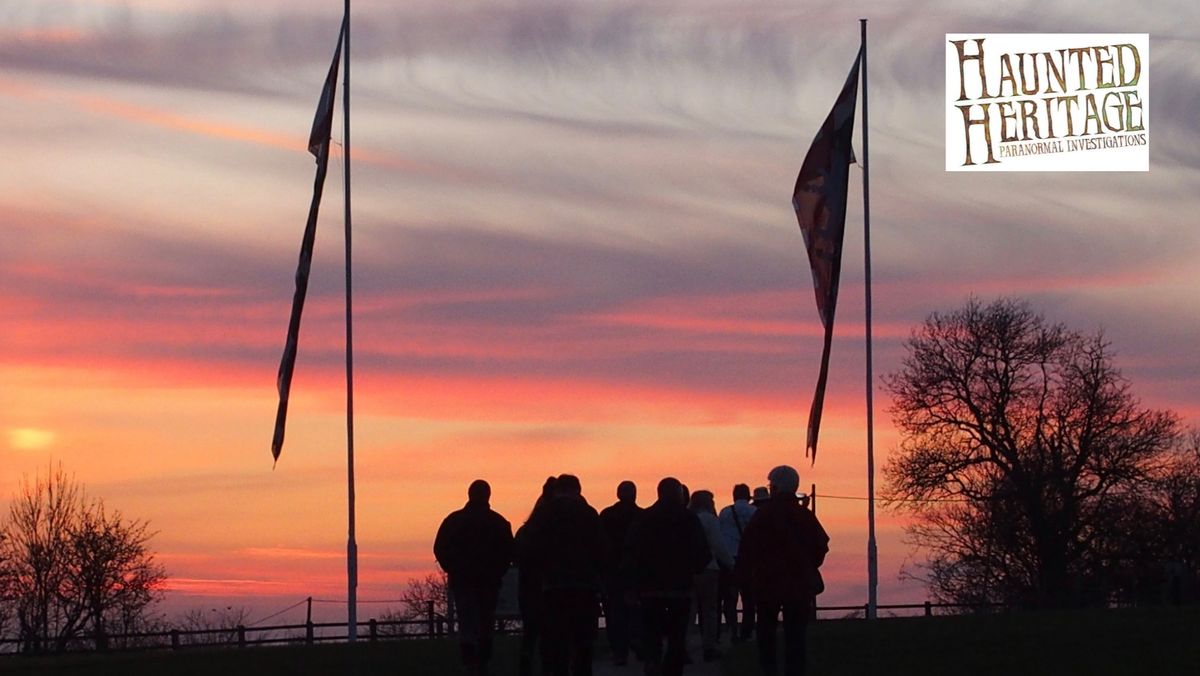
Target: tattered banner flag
(820, 203)
(318, 145)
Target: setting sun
(30, 438)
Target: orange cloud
(53, 35)
(165, 119)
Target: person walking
(782, 550)
(474, 545)
(619, 621)
(665, 547)
(568, 545)
(734, 519)
(704, 583)
(529, 583)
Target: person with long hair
(529, 582)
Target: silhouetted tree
(1022, 449)
(1178, 494)
(72, 567)
(6, 592)
(111, 573)
(1165, 522)
(414, 604)
(214, 625)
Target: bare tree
(35, 547)
(415, 602)
(1021, 445)
(71, 566)
(212, 626)
(6, 591)
(1179, 503)
(111, 573)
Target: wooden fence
(433, 625)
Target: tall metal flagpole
(872, 553)
(351, 544)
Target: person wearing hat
(782, 549)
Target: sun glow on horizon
(30, 438)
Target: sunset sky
(575, 252)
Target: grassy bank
(1158, 642)
(1161, 642)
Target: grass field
(1160, 642)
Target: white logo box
(1047, 95)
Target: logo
(1047, 102)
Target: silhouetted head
(627, 491)
(670, 490)
(547, 495)
(685, 493)
(479, 492)
(761, 495)
(568, 485)
(702, 501)
(741, 492)
(783, 480)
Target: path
(603, 665)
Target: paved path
(603, 665)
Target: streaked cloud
(574, 250)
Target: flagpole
(351, 544)
(872, 553)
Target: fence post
(867, 610)
(174, 639)
(308, 632)
(374, 629)
(928, 609)
(241, 634)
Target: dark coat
(665, 547)
(474, 545)
(616, 520)
(566, 544)
(781, 547)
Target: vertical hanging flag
(318, 145)
(820, 203)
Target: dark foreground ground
(1159, 642)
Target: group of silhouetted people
(654, 569)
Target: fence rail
(241, 636)
(433, 625)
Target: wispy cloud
(574, 244)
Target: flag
(820, 203)
(318, 145)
